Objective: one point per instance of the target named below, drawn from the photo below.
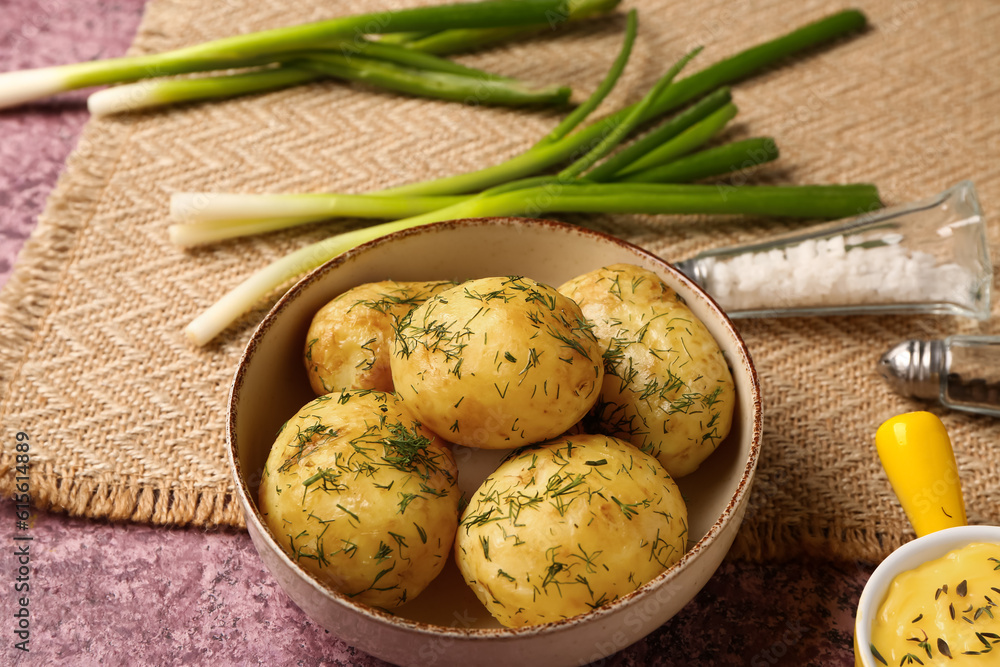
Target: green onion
(798, 201)
(204, 207)
(685, 142)
(206, 218)
(727, 71)
(407, 38)
(259, 48)
(617, 133)
(186, 236)
(525, 183)
(668, 130)
(439, 85)
(244, 296)
(448, 42)
(752, 60)
(710, 162)
(808, 201)
(149, 94)
(357, 60)
(795, 201)
(399, 55)
(511, 188)
(578, 115)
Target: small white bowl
(446, 624)
(907, 557)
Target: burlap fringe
(105, 497)
(756, 542)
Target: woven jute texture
(126, 418)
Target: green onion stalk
(685, 142)
(607, 84)
(515, 187)
(261, 48)
(722, 73)
(208, 217)
(154, 93)
(440, 85)
(617, 133)
(447, 42)
(391, 67)
(551, 151)
(831, 201)
(211, 217)
(711, 162)
(674, 126)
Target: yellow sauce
(945, 606)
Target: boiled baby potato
(362, 497)
(667, 388)
(563, 527)
(496, 363)
(347, 346)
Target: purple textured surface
(129, 594)
(35, 139)
(133, 594)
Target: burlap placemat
(126, 418)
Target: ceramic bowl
(907, 557)
(446, 624)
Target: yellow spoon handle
(917, 455)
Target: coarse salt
(832, 272)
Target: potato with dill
(563, 527)
(496, 363)
(362, 497)
(667, 388)
(348, 343)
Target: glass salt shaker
(960, 372)
(930, 256)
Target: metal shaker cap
(913, 368)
